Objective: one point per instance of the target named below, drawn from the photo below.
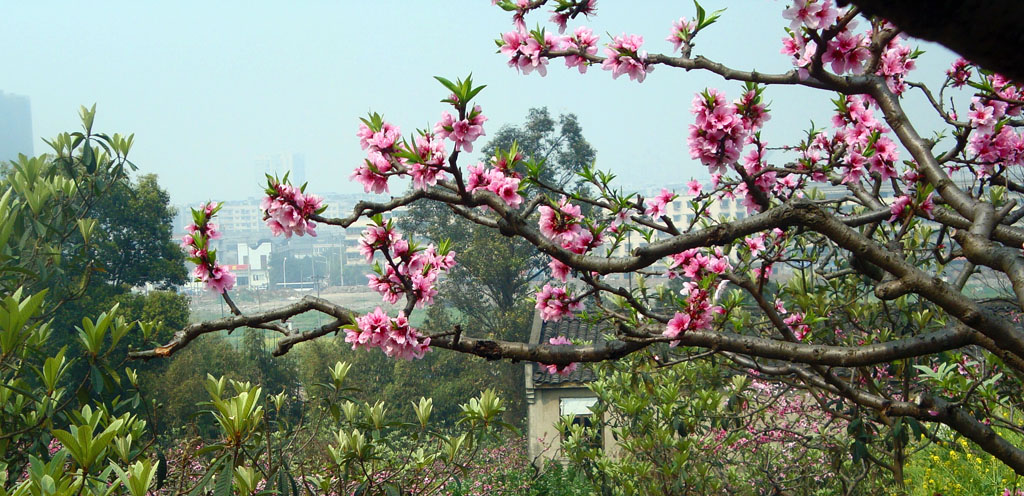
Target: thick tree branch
(985, 32)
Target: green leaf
(88, 158)
(223, 485)
(97, 380)
(201, 486)
(447, 84)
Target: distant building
(549, 397)
(245, 218)
(256, 262)
(281, 163)
(15, 126)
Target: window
(579, 410)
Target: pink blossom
(718, 263)
(755, 244)
(795, 323)
(560, 18)
(625, 57)
(927, 206)
(899, 207)
(801, 50)
(554, 302)
(395, 337)
(528, 51)
(428, 169)
(504, 183)
(409, 272)
(717, 135)
(559, 270)
(462, 132)
(377, 237)
(679, 323)
(373, 174)
(694, 264)
(582, 241)
(656, 206)
(896, 61)
(584, 41)
(694, 187)
(286, 209)
(959, 73)
(217, 277)
(561, 223)
(220, 279)
(698, 315)
(383, 139)
(847, 51)
(811, 14)
(983, 115)
(680, 35)
(508, 191)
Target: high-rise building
(15, 126)
(280, 163)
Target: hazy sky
(208, 86)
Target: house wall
(542, 415)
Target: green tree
(559, 143)
(132, 245)
(137, 246)
(178, 389)
(50, 205)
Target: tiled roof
(574, 329)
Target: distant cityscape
(15, 126)
(261, 261)
(332, 258)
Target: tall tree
(559, 143)
(132, 245)
(136, 247)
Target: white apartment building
(255, 263)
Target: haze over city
(210, 88)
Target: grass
(958, 468)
